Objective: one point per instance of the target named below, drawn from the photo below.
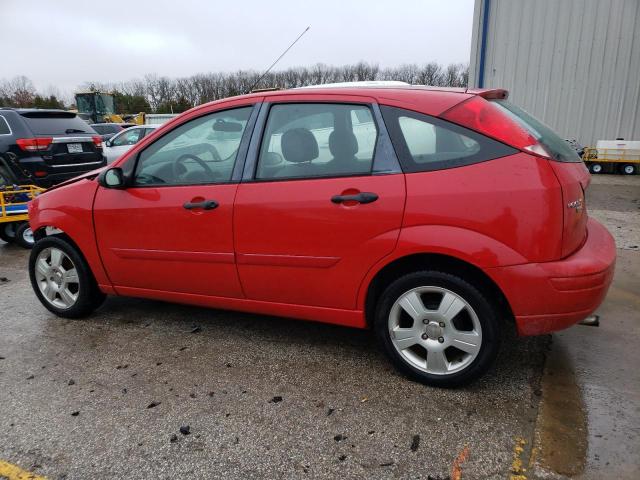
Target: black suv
(49, 146)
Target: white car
(120, 143)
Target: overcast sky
(66, 43)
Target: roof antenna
(278, 59)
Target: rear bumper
(546, 297)
(56, 173)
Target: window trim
(240, 157)
(8, 126)
(382, 146)
(391, 116)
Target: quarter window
(317, 140)
(426, 143)
(203, 150)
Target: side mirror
(107, 142)
(112, 178)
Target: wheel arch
(94, 263)
(438, 262)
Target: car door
(321, 203)
(171, 228)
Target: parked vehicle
(51, 146)
(14, 218)
(108, 130)
(613, 156)
(121, 142)
(437, 217)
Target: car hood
(88, 176)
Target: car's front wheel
(437, 328)
(62, 280)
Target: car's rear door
(171, 229)
(321, 202)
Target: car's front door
(171, 229)
(323, 203)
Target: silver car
(121, 142)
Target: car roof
(425, 98)
(39, 110)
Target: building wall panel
(575, 64)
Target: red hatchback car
(437, 217)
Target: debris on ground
(75, 414)
(185, 430)
(71, 382)
(173, 438)
(340, 437)
(153, 404)
(415, 443)
(196, 329)
(276, 399)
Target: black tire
(24, 236)
(8, 232)
(628, 169)
(486, 313)
(596, 168)
(89, 296)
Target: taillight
(34, 144)
(97, 141)
(484, 117)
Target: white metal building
(574, 64)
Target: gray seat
(343, 146)
(299, 148)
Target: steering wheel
(207, 147)
(179, 169)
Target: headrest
(343, 143)
(299, 145)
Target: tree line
(161, 94)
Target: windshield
(558, 148)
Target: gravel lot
(263, 397)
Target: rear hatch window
(558, 148)
(56, 123)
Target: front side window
(200, 151)
(129, 137)
(317, 140)
(425, 143)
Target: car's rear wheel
(24, 236)
(62, 280)
(8, 232)
(437, 328)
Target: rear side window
(425, 143)
(309, 140)
(558, 148)
(55, 123)
(4, 126)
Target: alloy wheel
(435, 330)
(57, 278)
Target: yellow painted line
(456, 470)
(13, 472)
(517, 470)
